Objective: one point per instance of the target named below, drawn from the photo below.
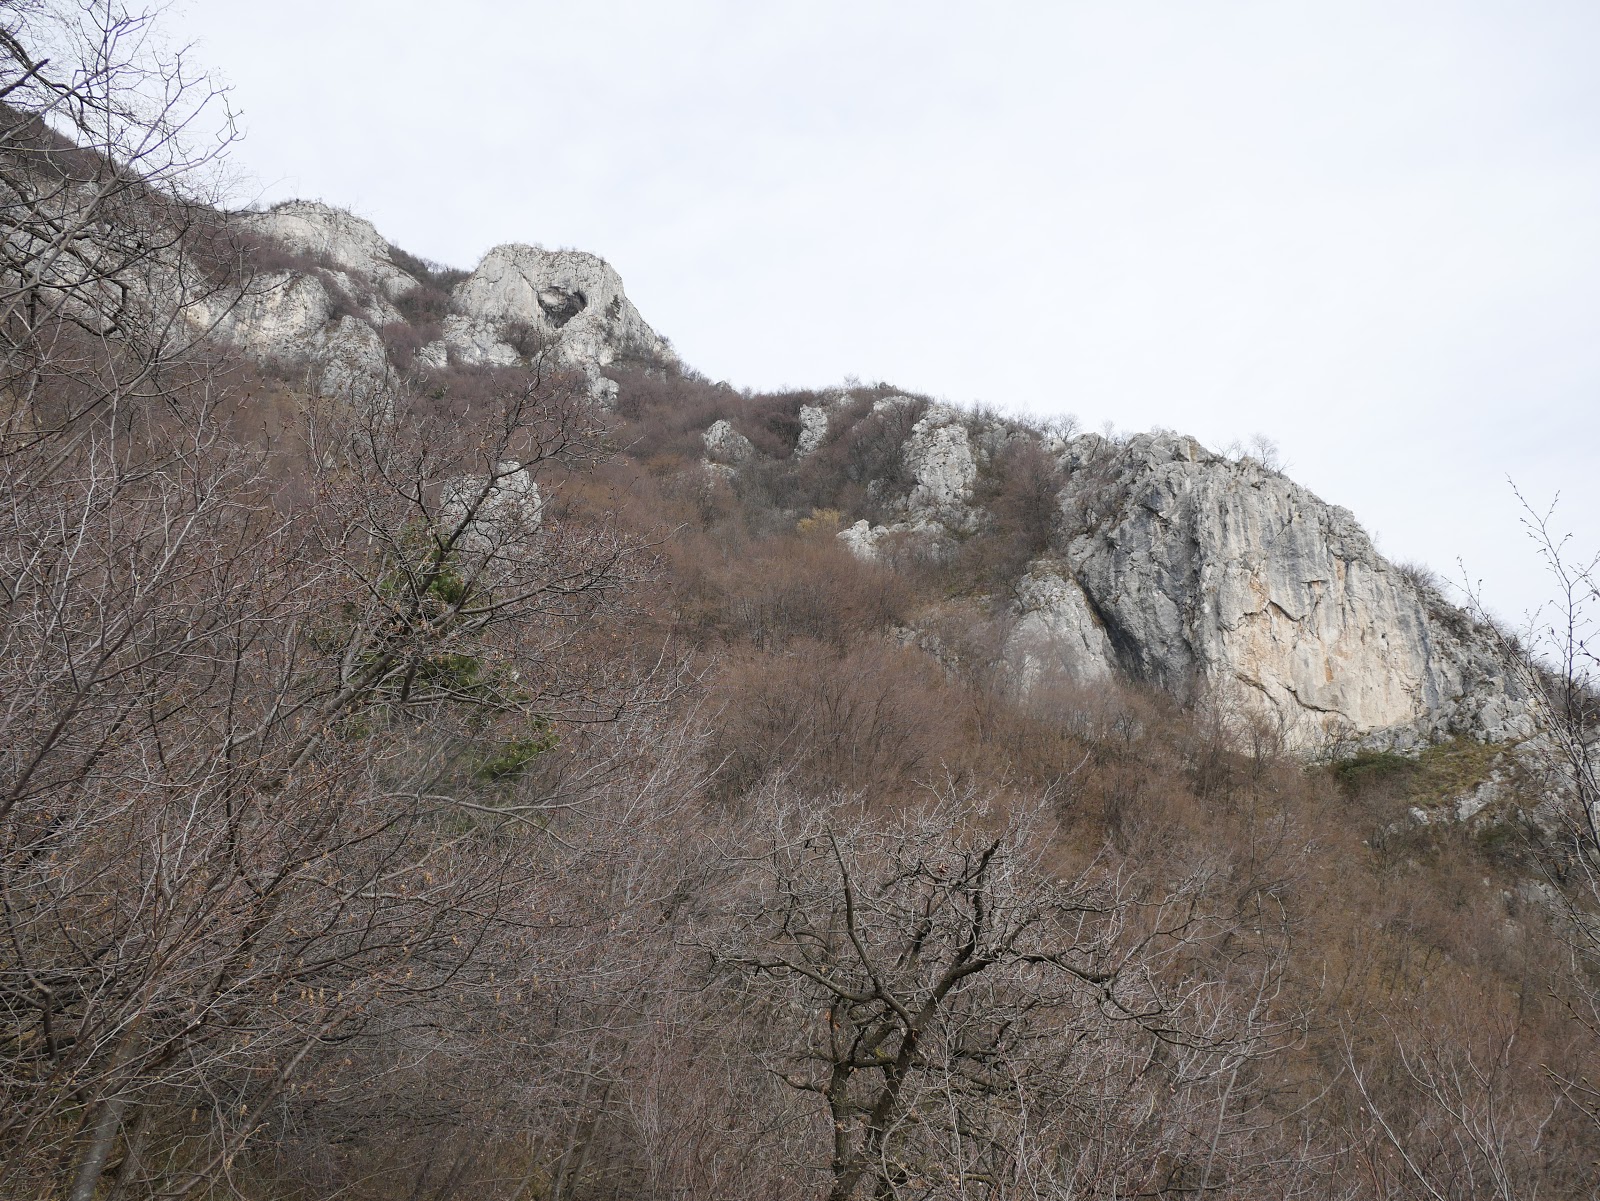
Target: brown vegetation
(371, 829)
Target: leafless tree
(110, 148)
(974, 1017)
(254, 759)
(1459, 1107)
(1556, 662)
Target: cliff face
(573, 298)
(1166, 563)
(1204, 571)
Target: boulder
(726, 445)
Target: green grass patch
(1367, 769)
(1452, 768)
(1441, 773)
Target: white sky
(1367, 230)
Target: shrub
(872, 718)
(402, 341)
(1368, 769)
(786, 589)
(434, 276)
(424, 304)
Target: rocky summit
(328, 286)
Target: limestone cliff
(334, 283)
(1205, 571)
(574, 299)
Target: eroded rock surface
(1192, 571)
(350, 360)
(493, 515)
(1057, 632)
(940, 459)
(572, 299)
(1208, 571)
(726, 445)
(939, 455)
(339, 239)
(520, 301)
(813, 429)
(278, 316)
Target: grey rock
(924, 539)
(1209, 572)
(1056, 633)
(478, 342)
(726, 445)
(572, 299)
(939, 455)
(351, 360)
(277, 317)
(813, 429)
(435, 355)
(334, 236)
(493, 515)
(519, 300)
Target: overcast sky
(1368, 231)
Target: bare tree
(110, 147)
(241, 745)
(974, 1017)
(1462, 1115)
(1556, 662)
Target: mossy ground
(1438, 775)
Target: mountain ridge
(1165, 563)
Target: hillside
(1147, 557)
(451, 746)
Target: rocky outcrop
(1195, 572)
(334, 238)
(493, 515)
(1206, 571)
(278, 316)
(1057, 633)
(565, 298)
(350, 360)
(726, 445)
(519, 301)
(939, 457)
(813, 429)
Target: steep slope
(1194, 572)
(1210, 572)
(1162, 562)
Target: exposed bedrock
(1211, 572)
